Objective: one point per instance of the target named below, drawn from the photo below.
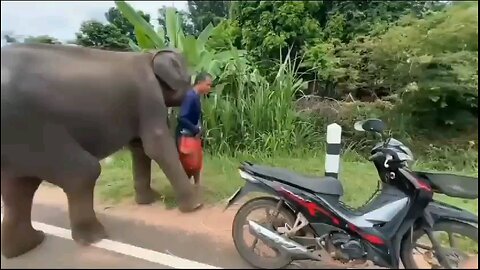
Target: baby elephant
(64, 109)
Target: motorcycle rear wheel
(452, 227)
(239, 222)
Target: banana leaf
(161, 32)
(205, 59)
(180, 40)
(214, 68)
(138, 22)
(134, 46)
(172, 26)
(204, 36)
(190, 50)
(143, 41)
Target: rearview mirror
(373, 124)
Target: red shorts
(191, 154)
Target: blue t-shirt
(190, 113)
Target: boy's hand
(199, 134)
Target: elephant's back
(67, 61)
(51, 76)
(92, 93)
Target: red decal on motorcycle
(312, 207)
(369, 237)
(373, 239)
(424, 186)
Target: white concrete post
(332, 159)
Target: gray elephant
(64, 108)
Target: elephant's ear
(171, 68)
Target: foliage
(102, 36)
(203, 13)
(251, 114)
(114, 17)
(346, 20)
(45, 39)
(311, 27)
(194, 49)
(42, 39)
(225, 35)
(270, 28)
(185, 21)
(433, 64)
(10, 38)
(409, 54)
(114, 35)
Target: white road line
(127, 249)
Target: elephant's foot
(18, 240)
(146, 197)
(88, 233)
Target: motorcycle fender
(245, 190)
(438, 211)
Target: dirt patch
(211, 221)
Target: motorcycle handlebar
(379, 154)
(375, 156)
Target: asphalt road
(142, 247)
(131, 244)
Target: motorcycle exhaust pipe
(284, 245)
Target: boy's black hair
(202, 76)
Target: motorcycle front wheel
(248, 252)
(462, 238)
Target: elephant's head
(170, 68)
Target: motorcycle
(305, 218)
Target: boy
(189, 120)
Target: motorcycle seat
(452, 185)
(323, 185)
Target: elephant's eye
(175, 64)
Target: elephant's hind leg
(67, 165)
(18, 235)
(77, 175)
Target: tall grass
(249, 114)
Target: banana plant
(194, 49)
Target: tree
(347, 19)
(10, 38)
(102, 36)
(429, 63)
(204, 12)
(183, 16)
(115, 17)
(270, 29)
(114, 35)
(45, 39)
(313, 28)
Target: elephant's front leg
(141, 166)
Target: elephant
(63, 109)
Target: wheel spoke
(254, 245)
(452, 240)
(268, 215)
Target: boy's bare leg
(196, 178)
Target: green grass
(221, 179)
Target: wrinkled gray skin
(65, 108)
